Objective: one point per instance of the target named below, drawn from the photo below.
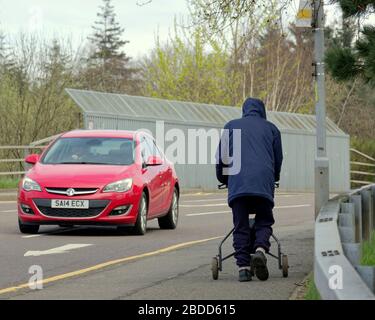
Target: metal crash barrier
(340, 228)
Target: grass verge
(311, 292)
(368, 252)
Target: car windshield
(101, 151)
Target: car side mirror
(153, 161)
(32, 159)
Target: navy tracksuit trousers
(245, 239)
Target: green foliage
(364, 145)
(356, 7)
(190, 71)
(341, 63)
(368, 252)
(7, 183)
(346, 62)
(266, 64)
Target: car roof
(99, 134)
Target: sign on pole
(304, 15)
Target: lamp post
(321, 160)
(311, 14)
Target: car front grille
(95, 208)
(77, 191)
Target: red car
(117, 178)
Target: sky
(74, 18)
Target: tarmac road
(100, 263)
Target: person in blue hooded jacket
(249, 159)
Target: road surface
(100, 263)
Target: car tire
(170, 221)
(140, 226)
(28, 228)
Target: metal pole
(321, 160)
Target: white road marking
(196, 194)
(204, 200)
(288, 195)
(206, 213)
(7, 202)
(32, 236)
(8, 211)
(225, 199)
(218, 212)
(225, 204)
(204, 205)
(58, 250)
(294, 206)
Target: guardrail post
(347, 229)
(357, 201)
(346, 220)
(367, 213)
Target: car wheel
(140, 226)
(27, 228)
(170, 221)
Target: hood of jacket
(254, 107)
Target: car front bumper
(100, 212)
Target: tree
(352, 8)
(108, 66)
(6, 61)
(347, 61)
(107, 37)
(221, 14)
(349, 103)
(190, 69)
(34, 103)
(2, 47)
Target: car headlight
(119, 186)
(30, 185)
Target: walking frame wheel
(215, 268)
(285, 265)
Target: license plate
(70, 204)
